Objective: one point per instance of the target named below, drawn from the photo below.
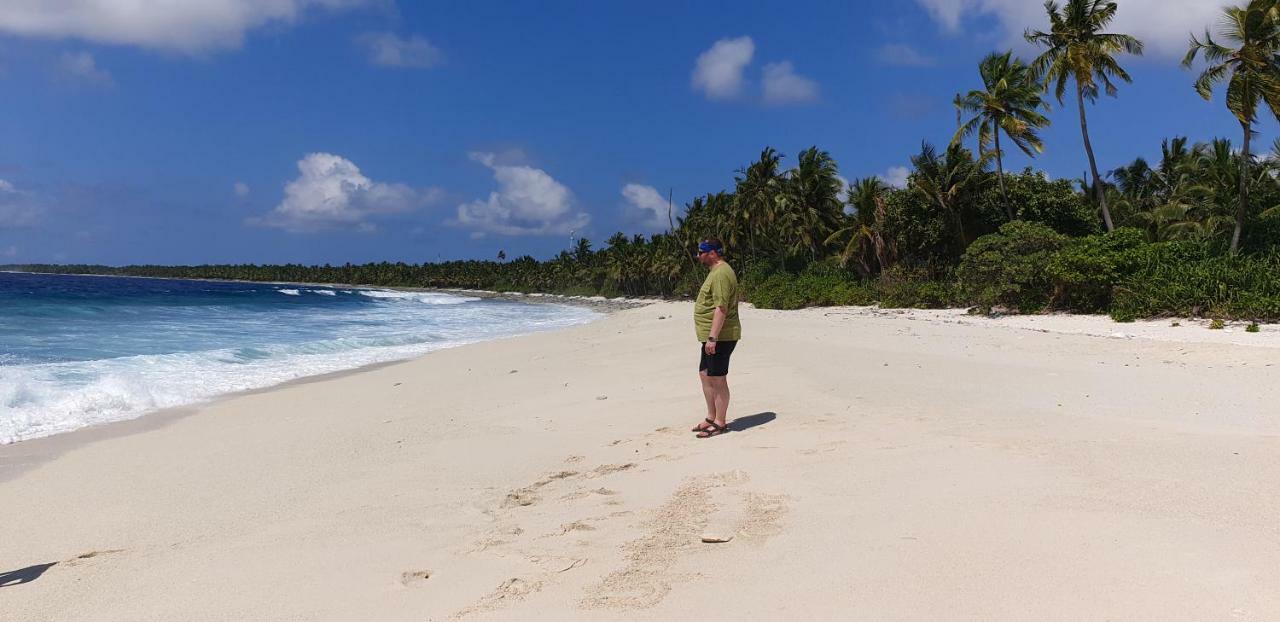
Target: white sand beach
(883, 466)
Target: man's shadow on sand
(24, 575)
(742, 424)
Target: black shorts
(716, 364)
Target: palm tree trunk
(1243, 208)
(1093, 164)
(1004, 195)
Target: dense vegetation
(1193, 234)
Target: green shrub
(1124, 316)
(1008, 269)
(1034, 198)
(1085, 272)
(1191, 279)
(818, 286)
(1217, 324)
(916, 288)
(1252, 328)
(921, 235)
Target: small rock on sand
(712, 537)
(602, 397)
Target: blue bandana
(707, 247)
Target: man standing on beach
(715, 319)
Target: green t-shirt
(719, 290)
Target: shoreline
(600, 303)
(41, 449)
(602, 308)
(559, 482)
(1089, 326)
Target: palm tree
(1141, 191)
(756, 191)
(867, 195)
(863, 230)
(1009, 102)
(949, 181)
(1077, 49)
(812, 206)
(1251, 72)
(1217, 166)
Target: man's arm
(717, 324)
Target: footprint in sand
(84, 557)
(414, 577)
(764, 514)
(608, 469)
(827, 447)
(520, 498)
(645, 580)
(578, 494)
(682, 526)
(511, 590)
(574, 526)
(527, 496)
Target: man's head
(710, 252)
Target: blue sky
(365, 130)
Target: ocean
(77, 351)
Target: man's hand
(709, 348)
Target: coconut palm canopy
(1245, 58)
(1078, 51)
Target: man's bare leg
(720, 387)
(709, 394)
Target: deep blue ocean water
(82, 350)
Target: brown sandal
(714, 429)
(700, 427)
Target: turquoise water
(78, 351)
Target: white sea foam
(42, 399)
(430, 298)
(290, 292)
(323, 292)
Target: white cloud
(18, 209)
(331, 192)
(528, 202)
(241, 189)
(390, 50)
(189, 26)
(843, 195)
(903, 56)
(1164, 25)
(82, 67)
(896, 176)
(948, 11)
(718, 71)
(646, 207)
(782, 85)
